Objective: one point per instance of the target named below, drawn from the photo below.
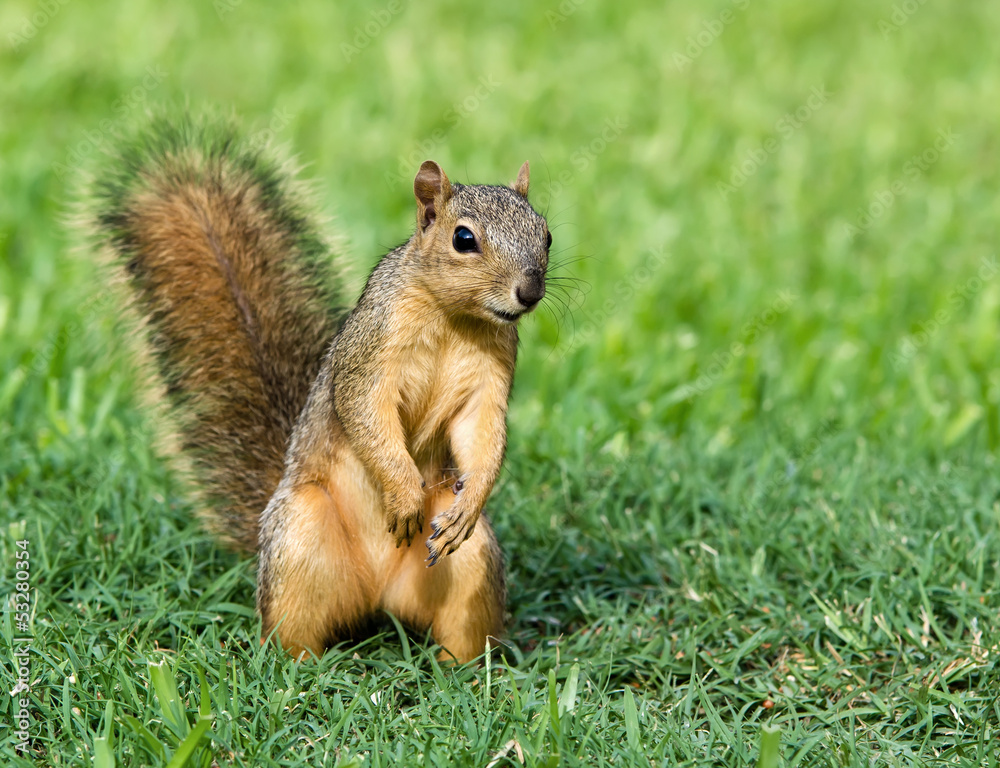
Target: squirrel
(352, 450)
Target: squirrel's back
(233, 282)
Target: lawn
(752, 493)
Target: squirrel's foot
(406, 527)
(450, 529)
(405, 515)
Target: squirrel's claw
(432, 548)
(450, 531)
(406, 529)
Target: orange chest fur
(440, 378)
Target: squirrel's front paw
(450, 528)
(404, 512)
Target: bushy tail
(233, 280)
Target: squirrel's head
(484, 249)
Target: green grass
(706, 542)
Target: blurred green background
(483, 90)
(775, 228)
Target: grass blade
(205, 705)
(567, 699)
(553, 702)
(170, 701)
(153, 744)
(631, 719)
(187, 747)
(103, 756)
(770, 744)
(104, 745)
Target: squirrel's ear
(432, 190)
(521, 185)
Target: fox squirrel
(341, 446)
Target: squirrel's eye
(464, 241)
(548, 240)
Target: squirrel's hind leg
(313, 587)
(462, 598)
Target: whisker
(575, 259)
(560, 213)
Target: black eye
(464, 241)
(548, 240)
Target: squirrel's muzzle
(531, 289)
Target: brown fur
(370, 456)
(238, 332)
(405, 432)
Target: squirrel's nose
(531, 290)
